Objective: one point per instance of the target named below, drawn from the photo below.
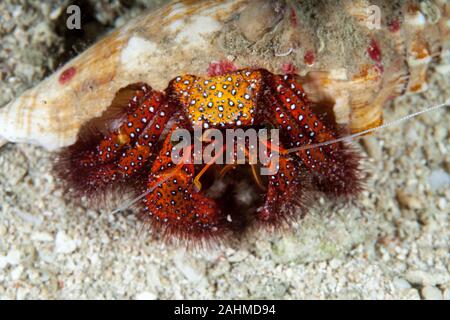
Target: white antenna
(133, 201)
(359, 134)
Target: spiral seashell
(347, 63)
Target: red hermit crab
(134, 145)
(314, 70)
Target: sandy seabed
(391, 243)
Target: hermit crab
(173, 199)
(314, 70)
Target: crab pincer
(115, 146)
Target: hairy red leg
(118, 143)
(333, 168)
(285, 192)
(137, 112)
(173, 204)
(134, 158)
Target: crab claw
(173, 206)
(116, 145)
